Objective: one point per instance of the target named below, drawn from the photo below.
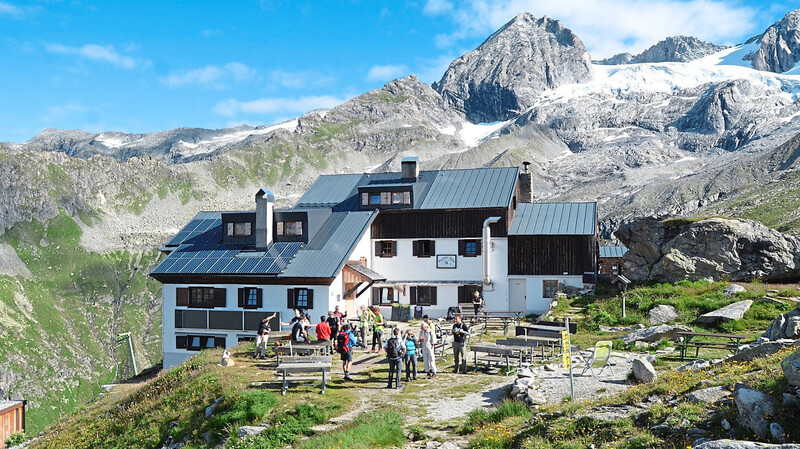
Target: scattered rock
(644, 371)
(753, 407)
(535, 398)
(777, 433)
(749, 353)
(248, 431)
(699, 441)
(643, 345)
(790, 400)
(694, 365)
(525, 372)
(735, 444)
(730, 312)
(772, 300)
(622, 329)
(709, 395)
(725, 424)
(662, 314)
(733, 289)
(448, 445)
(655, 333)
(210, 409)
(695, 432)
(791, 368)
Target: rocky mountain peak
(671, 49)
(779, 49)
(512, 67)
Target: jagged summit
(779, 45)
(671, 49)
(512, 67)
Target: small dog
(227, 360)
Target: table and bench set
(521, 349)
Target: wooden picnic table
(321, 348)
(535, 342)
(494, 353)
(691, 341)
(303, 367)
(506, 317)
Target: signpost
(566, 357)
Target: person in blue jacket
(411, 355)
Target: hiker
(437, 330)
(344, 344)
(333, 322)
(394, 352)
(323, 330)
(378, 324)
(262, 336)
(411, 355)
(298, 315)
(477, 303)
(364, 317)
(427, 338)
(299, 332)
(339, 314)
(460, 333)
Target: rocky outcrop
(655, 333)
(662, 314)
(713, 248)
(791, 368)
(779, 45)
(786, 325)
(750, 352)
(671, 49)
(504, 75)
(734, 444)
(731, 312)
(709, 396)
(753, 406)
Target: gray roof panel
(555, 219)
(476, 188)
(613, 251)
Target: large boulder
(786, 325)
(713, 248)
(754, 407)
(644, 371)
(662, 314)
(731, 312)
(791, 368)
(709, 396)
(733, 289)
(734, 444)
(753, 352)
(655, 333)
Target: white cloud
(11, 10)
(386, 72)
(608, 27)
(211, 76)
(432, 69)
(98, 53)
(299, 80)
(58, 113)
(437, 7)
(285, 106)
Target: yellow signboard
(566, 356)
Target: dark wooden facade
(552, 254)
(439, 223)
(610, 266)
(12, 419)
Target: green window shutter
(415, 248)
(310, 299)
(242, 293)
(376, 296)
(259, 298)
(290, 298)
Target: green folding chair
(600, 358)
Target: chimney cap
(263, 192)
(410, 159)
(525, 165)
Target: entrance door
(517, 299)
(350, 300)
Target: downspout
(487, 245)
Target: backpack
(343, 342)
(393, 349)
(438, 331)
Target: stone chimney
(525, 184)
(410, 169)
(265, 203)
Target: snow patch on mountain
(189, 149)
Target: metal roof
(366, 272)
(330, 248)
(613, 250)
(433, 189)
(555, 219)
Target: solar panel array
(228, 259)
(204, 229)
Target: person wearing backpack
(460, 333)
(394, 352)
(378, 324)
(411, 355)
(344, 344)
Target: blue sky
(151, 66)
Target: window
(375, 198)
(240, 229)
(469, 248)
(384, 296)
(300, 298)
(550, 288)
(466, 293)
(423, 296)
(250, 298)
(204, 297)
(289, 228)
(385, 198)
(385, 248)
(198, 342)
(424, 248)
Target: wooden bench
(494, 353)
(692, 340)
(303, 364)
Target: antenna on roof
(525, 165)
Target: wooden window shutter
(413, 294)
(415, 248)
(259, 297)
(290, 298)
(462, 294)
(242, 293)
(394, 247)
(377, 249)
(478, 245)
(181, 341)
(182, 297)
(433, 248)
(462, 247)
(433, 296)
(376, 296)
(310, 299)
(178, 319)
(219, 342)
(220, 297)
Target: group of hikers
(400, 348)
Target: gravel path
(554, 385)
(448, 408)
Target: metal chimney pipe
(487, 244)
